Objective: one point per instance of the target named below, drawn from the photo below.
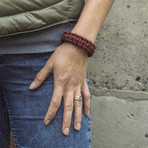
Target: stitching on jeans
(6, 118)
(11, 123)
(4, 115)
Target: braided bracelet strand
(79, 41)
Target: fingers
(77, 111)
(54, 105)
(41, 76)
(86, 94)
(68, 109)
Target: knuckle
(38, 77)
(48, 64)
(69, 106)
(73, 81)
(62, 81)
(78, 117)
(87, 97)
(67, 122)
(78, 103)
(56, 103)
(87, 107)
(87, 101)
(50, 116)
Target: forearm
(92, 17)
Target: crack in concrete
(126, 95)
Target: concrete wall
(118, 74)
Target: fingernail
(88, 113)
(78, 126)
(47, 122)
(66, 131)
(32, 85)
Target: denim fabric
(23, 110)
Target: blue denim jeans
(23, 110)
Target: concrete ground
(118, 74)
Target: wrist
(75, 50)
(90, 36)
(79, 41)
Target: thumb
(42, 75)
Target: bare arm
(92, 17)
(68, 64)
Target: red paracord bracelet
(79, 41)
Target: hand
(68, 64)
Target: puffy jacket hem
(37, 29)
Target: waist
(35, 42)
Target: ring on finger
(79, 98)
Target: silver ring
(79, 98)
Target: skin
(11, 141)
(68, 64)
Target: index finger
(54, 105)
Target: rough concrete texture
(119, 123)
(118, 74)
(121, 59)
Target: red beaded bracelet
(79, 41)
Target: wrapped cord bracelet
(79, 41)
